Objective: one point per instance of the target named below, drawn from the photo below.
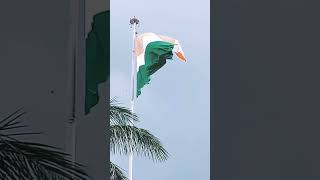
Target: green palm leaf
(120, 114)
(125, 139)
(116, 173)
(27, 160)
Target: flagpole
(134, 22)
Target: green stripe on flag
(156, 54)
(97, 58)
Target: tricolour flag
(152, 52)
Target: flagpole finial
(134, 20)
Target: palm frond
(125, 139)
(116, 173)
(27, 160)
(121, 115)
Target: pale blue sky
(175, 106)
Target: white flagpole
(134, 22)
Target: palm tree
(20, 160)
(126, 138)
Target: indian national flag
(152, 52)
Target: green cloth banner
(97, 58)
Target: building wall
(33, 75)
